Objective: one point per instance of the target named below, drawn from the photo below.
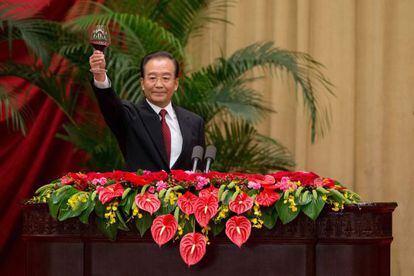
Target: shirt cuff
(102, 84)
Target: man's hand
(98, 64)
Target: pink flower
(186, 203)
(107, 193)
(99, 181)
(324, 182)
(148, 202)
(161, 185)
(65, 180)
(238, 230)
(205, 209)
(201, 182)
(210, 191)
(151, 189)
(163, 228)
(285, 184)
(241, 203)
(193, 248)
(254, 185)
(267, 198)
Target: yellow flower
(324, 197)
(293, 208)
(336, 207)
(173, 198)
(73, 201)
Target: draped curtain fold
(31, 161)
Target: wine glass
(100, 37)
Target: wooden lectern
(354, 241)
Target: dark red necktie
(166, 133)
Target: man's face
(159, 82)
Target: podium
(354, 241)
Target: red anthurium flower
(107, 193)
(306, 178)
(115, 175)
(148, 202)
(79, 179)
(193, 248)
(186, 202)
(163, 229)
(328, 183)
(136, 180)
(155, 176)
(267, 198)
(180, 175)
(241, 204)
(238, 230)
(205, 209)
(209, 191)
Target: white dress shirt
(170, 117)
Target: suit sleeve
(113, 110)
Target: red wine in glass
(99, 37)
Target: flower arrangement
(189, 206)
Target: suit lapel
(152, 124)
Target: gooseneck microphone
(197, 156)
(209, 157)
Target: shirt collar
(157, 109)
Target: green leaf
(228, 197)
(166, 208)
(144, 223)
(189, 225)
(252, 192)
(269, 216)
(127, 203)
(59, 199)
(67, 212)
(84, 217)
(99, 209)
(286, 215)
(304, 198)
(109, 230)
(314, 208)
(217, 228)
(121, 222)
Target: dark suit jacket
(138, 130)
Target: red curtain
(29, 162)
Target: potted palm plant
(219, 92)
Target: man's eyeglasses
(163, 79)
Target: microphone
(209, 157)
(197, 156)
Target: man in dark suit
(153, 134)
